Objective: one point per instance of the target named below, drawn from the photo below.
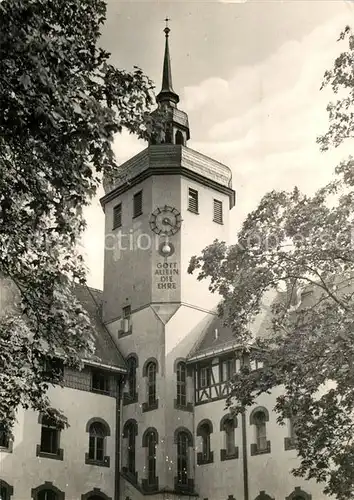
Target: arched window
(258, 418)
(50, 438)
(6, 491)
(228, 425)
(150, 440)
(47, 491)
(131, 377)
(299, 494)
(47, 495)
(204, 430)
(4, 436)
(181, 384)
(261, 430)
(98, 431)
(130, 432)
(149, 371)
(179, 139)
(182, 458)
(95, 494)
(183, 439)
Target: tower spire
(167, 94)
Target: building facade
(147, 416)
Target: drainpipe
(244, 457)
(244, 361)
(117, 464)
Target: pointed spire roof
(167, 94)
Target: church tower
(172, 202)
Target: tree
(61, 102)
(295, 246)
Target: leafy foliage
(61, 104)
(300, 249)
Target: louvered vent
(218, 212)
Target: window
(299, 494)
(228, 425)
(151, 382)
(98, 431)
(227, 369)
(261, 431)
(47, 491)
(125, 327)
(182, 458)
(138, 204)
(290, 441)
(150, 439)
(100, 382)
(258, 418)
(130, 431)
(230, 436)
(49, 436)
(179, 139)
(193, 200)
(4, 436)
(47, 495)
(53, 369)
(117, 216)
(204, 376)
(218, 212)
(204, 430)
(131, 377)
(6, 491)
(181, 384)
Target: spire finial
(167, 93)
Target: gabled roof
(214, 339)
(107, 352)
(218, 338)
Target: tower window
(138, 204)
(6, 490)
(125, 326)
(182, 459)
(179, 139)
(150, 439)
(181, 384)
(132, 377)
(193, 200)
(130, 430)
(151, 381)
(218, 218)
(117, 216)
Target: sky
(248, 74)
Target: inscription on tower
(166, 274)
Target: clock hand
(167, 222)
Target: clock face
(165, 220)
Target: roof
(217, 338)
(107, 352)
